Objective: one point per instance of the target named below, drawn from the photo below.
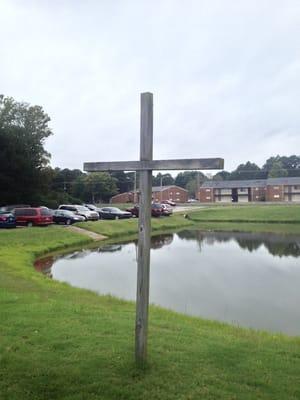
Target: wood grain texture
(156, 165)
(143, 271)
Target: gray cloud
(225, 75)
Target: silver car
(81, 210)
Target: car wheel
(68, 222)
(29, 224)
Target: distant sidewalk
(93, 235)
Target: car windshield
(82, 208)
(114, 209)
(45, 212)
(156, 205)
(69, 213)
(64, 212)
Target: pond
(250, 280)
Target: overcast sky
(225, 75)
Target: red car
(33, 216)
(156, 210)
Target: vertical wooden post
(143, 272)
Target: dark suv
(33, 216)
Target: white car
(80, 210)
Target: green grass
(59, 342)
(128, 227)
(258, 214)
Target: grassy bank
(130, 226)
(254, 214)
(59, 342)
(274, 219)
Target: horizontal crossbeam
(156, 165)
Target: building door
(234, 195)
(249, 194)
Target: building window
(207, 190)
(207, 198)
(297, 187)
(256, 188)
(243, 190)
(275, 187)
(177, 193)
(276, 196)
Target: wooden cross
(145, 166)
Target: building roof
(284, 181)
(235, 184)
(162, 188)
(154, 189)
(251, 183)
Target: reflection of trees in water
(284, 249)
(159, 241)
(277, 245)
(193, 235)
(249, 245)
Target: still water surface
(251, 280)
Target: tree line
(27, 177)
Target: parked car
(33, 216)
(156, 210)
(66, 217)
(166, 210)
(92, 207)
(113, 213)
(169, 202)
(7, 219)
(13, 206)
(80, 210)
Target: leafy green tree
(124, 181)
(277, 170)
(221, 176)
(183, 178)
(95, 187)
(283, 166)
(165, 179)
(23, 159)
(247, 171)
(78, 188)
(192, 187)
(63, 179)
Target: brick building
(159, 193)
(243, 191)
(172, 192)
(126, 197)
